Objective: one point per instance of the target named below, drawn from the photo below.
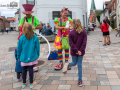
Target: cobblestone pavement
(101, 66)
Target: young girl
(77, 41)
(18, 68)
(105, 30)
(118, 31)
(28, 51)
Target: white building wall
(17, 21)
(43, 8)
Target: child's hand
(79, 53)
(18, 60)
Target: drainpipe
(117, 13)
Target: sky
(11, 12)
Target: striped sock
(66, 55)
(60, 56)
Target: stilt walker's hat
(28, 8)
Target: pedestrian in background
(2, 31)
(118, 31)
(105, 30)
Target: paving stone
(54, 77)
(16, 85)
(104, 83)
(59, 82)
(64, 87)
(115, 87)
(7, 83)
(37, 86)
(71, 75)
(49, 87)
(90, 88)
(46, 82)
(19, 88)
(102, 79)
(95, 83)
(104, 88)
(76, 87)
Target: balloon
(21, 31)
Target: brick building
(5, 23)
(92, 17)
(113, 11)
(1, 24)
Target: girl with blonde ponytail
(77, 41)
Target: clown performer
(65, 32)
(29, 18)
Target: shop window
(31, 2)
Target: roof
(11, 18)
(1, 18)
(97, 11)
(17, 12)
(93, 7)
(108, 4)
(4, 18)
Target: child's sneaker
(18, 80)
(80, 84)
(65, 68)
(32, 85)
(23, 85)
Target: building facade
(6, 23)
(113, 11)
(1, 24)
(17, 19)
(12, 23)
(46, 10)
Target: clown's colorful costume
(57, 42)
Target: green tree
(112, 22)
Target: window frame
(59, 14)
(28, 3)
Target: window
(114, 6)
(93, 19)
(31, 2)
(57, 14)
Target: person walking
(118, 31)
(108, 21)
(77, 41)
(2, 31)
(105, 30)
(63, 31)
(28, 51)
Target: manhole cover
(12, 49)
(100, 41)
(40, 62)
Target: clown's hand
(33, 28)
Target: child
(18, 68)
(28, 51)
(118, 31)
(77, 41)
